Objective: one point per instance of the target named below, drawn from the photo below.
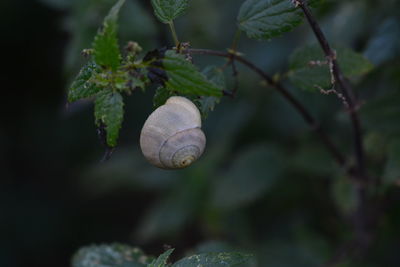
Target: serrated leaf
(264, 19)
(81, 87)
(223, 259)
(392, 169)
(113, 255)
(161, 261)
(114, 11)
(105, 45)
(309, 68)
(208, 103)
(109, 110)
(168, 10)
(161, 96)
(183, 77)
(215, 75)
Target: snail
(171, 137)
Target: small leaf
(311, 78)
(215, 75)
(161, 261)
(109, 110)
(353, 64)
(113, 255)
(183, 77)
(105, 45)
(161, 96)
(264, 19)
(223, 259)
(309, 69)
(81, 87)
(168, 10)
(208, 103)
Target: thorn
(333, 91)
(296, 3)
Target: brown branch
(310, 120)
(361, 214)
(344, 85)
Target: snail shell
(171, 137)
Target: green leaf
(161, 261)
(109, 110)
(161, 96)
(311, 78)
(81, 87)
(113, 255)
(223, 259)
(353, 64)
(252, 174)
(309, 69)
(392, 169)
(105, 45)
(215, 75)
(183, 77)
(208, 103)
(168, 10)
(264, 19)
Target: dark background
(265, 184)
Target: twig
(310, 120)
(344, 85)
(360, 216)
(235, 75)
(173, 32)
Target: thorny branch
(310, 120)
(343, 84)
(361, 215)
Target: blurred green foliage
(265, 184)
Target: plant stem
(236, 39)
(173, 31)
(344, 85)
(310, 120)
(360, 216)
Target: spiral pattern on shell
(171, 137)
